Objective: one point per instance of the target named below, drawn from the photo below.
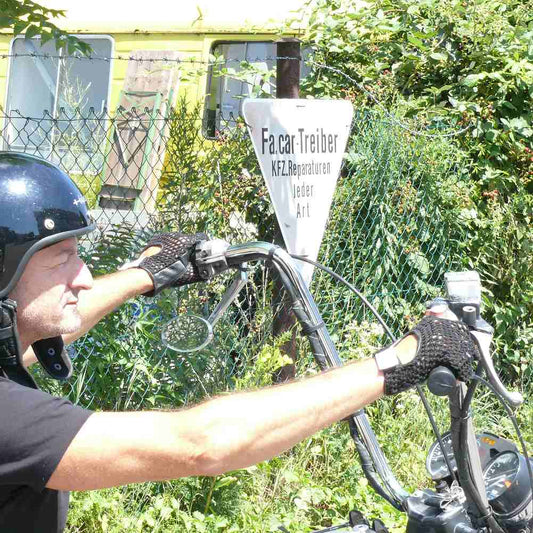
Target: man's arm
(226, 433)
(223, 434)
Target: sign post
(300, 146)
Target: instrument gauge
(436, 463)
(489, 446)
(507, 482)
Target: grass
(313, 485)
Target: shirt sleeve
(36, 429)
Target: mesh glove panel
(440, 342)
(172, 266)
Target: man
(49, 447)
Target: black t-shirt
(35, 431)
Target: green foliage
(399, 216)
(467, 61)
(33, 20)
(213, 185)
(465, 64)
(504, 245)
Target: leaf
(418, 261)
(453, 101)
(437, 56)
(32, 31)
(19, 27)
(520, 125)
(45, 37)
(6, 22)
(472, 79)
(417, 42)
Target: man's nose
(83, 279)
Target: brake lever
(210, 258)
(464, 299)
(512, 397)
(229, 296)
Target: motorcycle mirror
(187, 333)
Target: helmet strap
(10, 350)
(53, 357)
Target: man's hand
(441, 342)
(167, 259)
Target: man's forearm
(243, 430)
(107, 294)
(226, 433)
(223, 434)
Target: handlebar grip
(441, 381)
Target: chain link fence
(394, 222)
(144, 171)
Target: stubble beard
(36, 326)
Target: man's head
(47, 292)
(42, 212)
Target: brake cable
(380, 319)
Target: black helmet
(39, 206)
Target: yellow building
(235, 29)
(56, 105)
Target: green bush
(468, 65)
(213, 185)
(399, 211)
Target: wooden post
(287, 86)
(288, 70)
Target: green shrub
(468, 65)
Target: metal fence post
(287, 86)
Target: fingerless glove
(172, 266)
(440, 342)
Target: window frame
(209, 123)
(53, 113)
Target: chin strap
(10, 352)
(49, 352)
(53, 357)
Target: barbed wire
(220, 62)
(209, 62)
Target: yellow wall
(188, 26)
(172, 16)
(192, 45)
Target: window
(226, 92)
(44, 84)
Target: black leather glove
(172, 265)
(441, 342)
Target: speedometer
(436, 462)
(489, 446)
(507, 482)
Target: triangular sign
(300, 145)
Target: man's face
(47, 292)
